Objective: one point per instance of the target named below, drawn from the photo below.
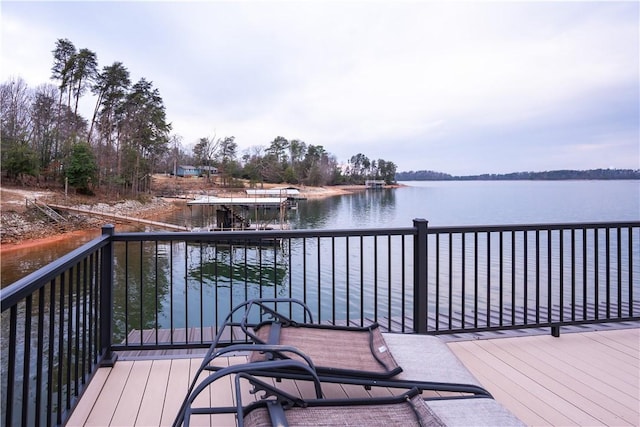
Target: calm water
(477, 203)
(179, 289)
(441, 203)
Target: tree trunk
(93, 119)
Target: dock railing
(168, 291)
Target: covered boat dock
(232, 213)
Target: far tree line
(566, 174)
(128, 137)
(285, 161)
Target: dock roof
(273, 192)
(242, 201)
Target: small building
(374, 184)
(186, 170)
(208, 170)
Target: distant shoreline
(400, 181)
(557, 175)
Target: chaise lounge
(279, 408)
(336, 354)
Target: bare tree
(44, 115)
(205, 151)
(15, 103)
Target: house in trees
(208, 170)
(185, 170)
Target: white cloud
(441, 78)
(22, 51)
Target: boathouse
(233, 213)
(374, 184)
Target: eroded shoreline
(22, 227)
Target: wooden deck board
(589, 378)
(132, 394)
(90, 396)
(562, 379)
(505, 383)
(154, 394)
(578, 379)
(177, 386)
(105, 407)
(590, 368)
(598, 387)
(611, 338)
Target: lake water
(442, 203)
(208, 280)
(477, 203)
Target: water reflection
(171, 285)
(372, 207)
(362, 209)
(314, 213)
(222, 266)
(139, 287)
(442, 203)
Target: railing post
(420, 276)
(108, 358)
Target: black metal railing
(511, 277)
(54, 335)
(177, 288)
(149, 291)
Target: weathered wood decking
(590, 378)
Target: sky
(457, 87)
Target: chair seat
(413, 411)
(355, 351)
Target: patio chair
(338, 354)
(343, 354)
(279, 408)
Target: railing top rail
(305, 233)
(531, 227)
(21, 288)
(261, 234)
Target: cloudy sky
(457, 87)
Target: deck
(586, 378)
